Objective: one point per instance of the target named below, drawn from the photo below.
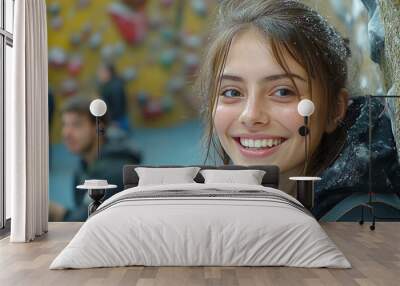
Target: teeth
(259, 143)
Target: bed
(201, 223)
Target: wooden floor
(375, 256)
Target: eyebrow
(267, 78)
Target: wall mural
(154, 45)
(148, 53)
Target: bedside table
(97, 190)
(305, 190)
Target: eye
(231, 93)
(284, 92)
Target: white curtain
(27, 124)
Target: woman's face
(256, 116)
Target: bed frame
(270, 179)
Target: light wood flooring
(374, 255)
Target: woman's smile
(258, 145)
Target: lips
(260, 143)
(258, 146)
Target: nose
(255, 113)
(65, 132)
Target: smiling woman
(267, 56)
(264, 56)
(256, 115)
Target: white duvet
(183, 231)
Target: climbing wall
(155, 46)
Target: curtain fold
(27, 124)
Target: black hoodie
(349, 173)
(117, 151)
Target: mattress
(201, 225)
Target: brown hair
(81, 105)
(291, 26)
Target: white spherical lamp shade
(305, 107)
(98, 107)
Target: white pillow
(163, 176)
(249, 177)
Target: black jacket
(113, 93)
(117, 151)
(349, 173)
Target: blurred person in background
(112, 91)
(80, 137)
